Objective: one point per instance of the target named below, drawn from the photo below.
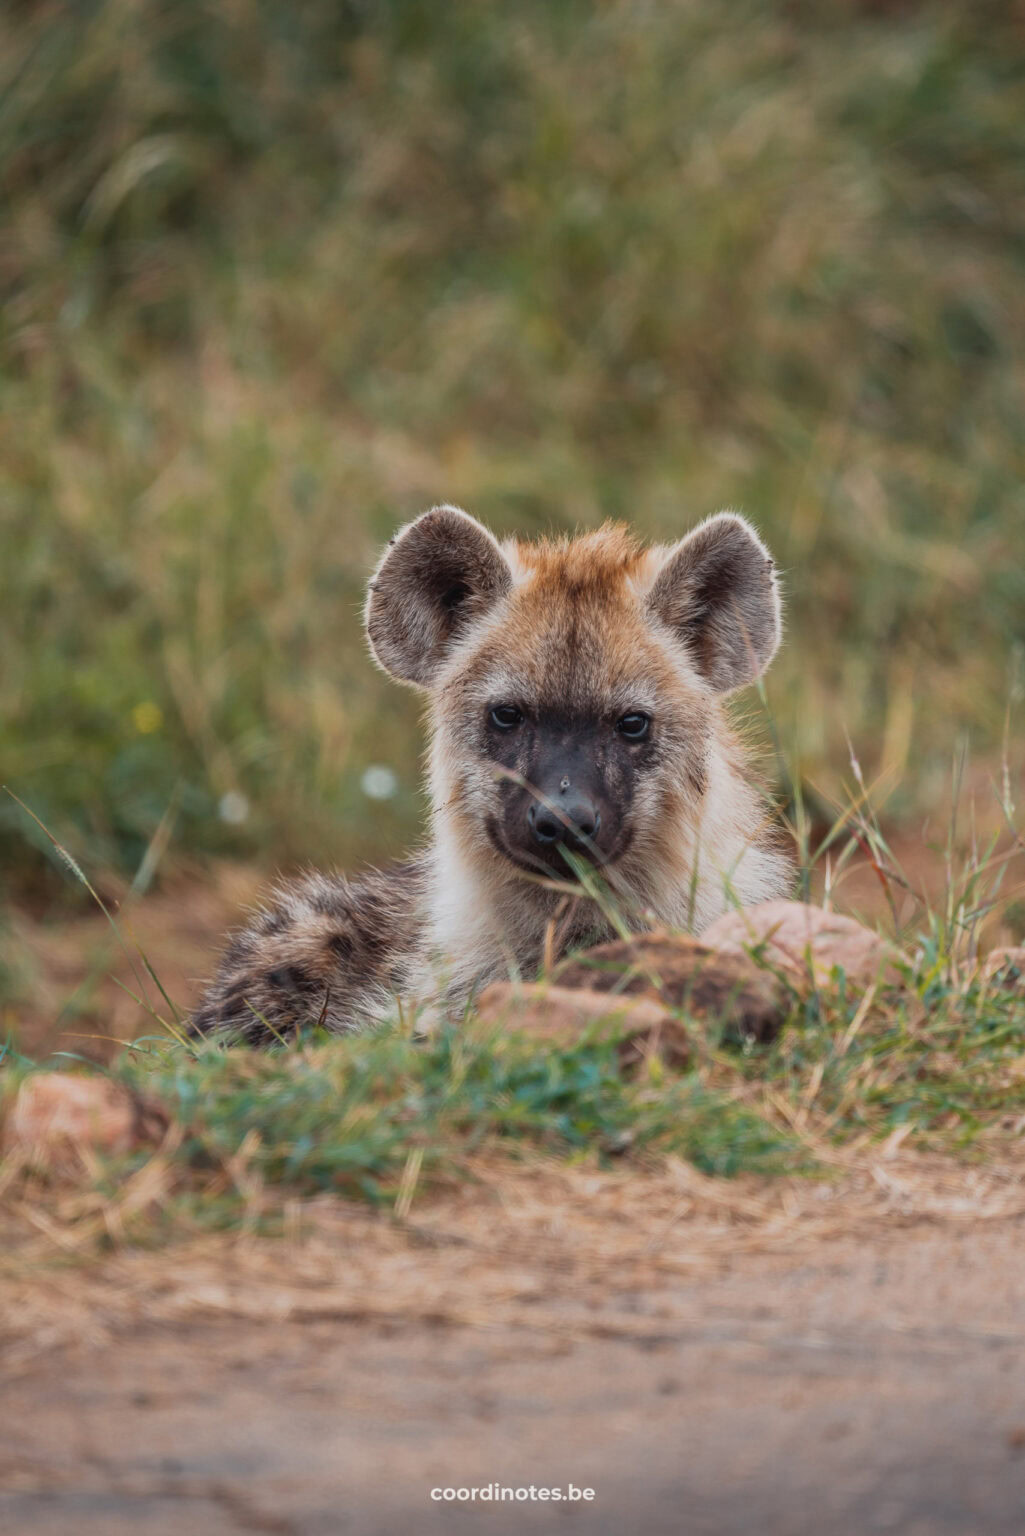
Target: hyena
(575, 692)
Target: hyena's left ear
(717, 590)
(438, 574)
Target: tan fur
(586, 629)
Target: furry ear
(717, 591)
(437, 575)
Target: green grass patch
(348, 1115)
(933, 1053)
(384, 1118)
(943, 1063)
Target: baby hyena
(575, 694)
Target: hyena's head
(574, 685)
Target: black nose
(580, 818)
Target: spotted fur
(572, 636)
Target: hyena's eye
(634, 726)
(506, 716)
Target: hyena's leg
(326, 951)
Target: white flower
(233, 808)
(379, 782)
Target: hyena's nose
(578, 819)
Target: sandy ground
(843, 1356)
(839, 1357)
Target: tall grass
(276, 276)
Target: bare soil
(834, 1356)
(787, 1357)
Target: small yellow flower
(147, 717)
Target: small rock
(560, 1014)
(54, 1109)
(687, 974)
(805, 943)
(1006, 968)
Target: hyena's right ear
(437, 575)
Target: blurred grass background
(275, 277)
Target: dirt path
(707, 1357)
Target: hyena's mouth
(531, 864)
(555, 867)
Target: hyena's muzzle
(563, 790)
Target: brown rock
(688, 974)
(805, 943)
(561, 1014)
(55, 1109)
(1005, 968)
